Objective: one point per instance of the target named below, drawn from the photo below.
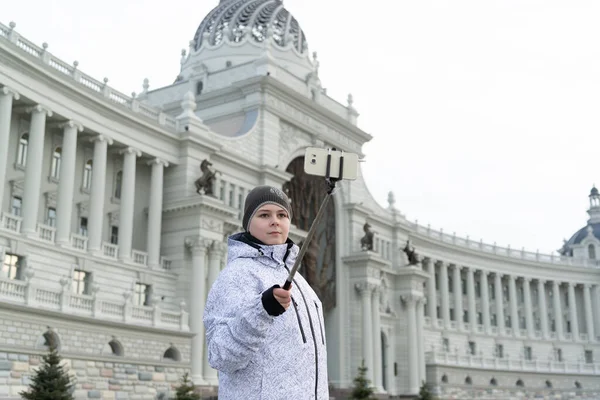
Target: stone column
(96, 213)
(364, 289)
(499, 303)
(64, 202)
(514, 311)
(445, 303)
(560, 332)
(155, 212)
(127, 202)
(596, 306)
(431, 293)
(458, 297)
(485, 301)
(413, 359)
(377, 373)
(420, 341)
(471, 299)
(573, 312)
(215, 255)
(528, 308)
(6, 102)
(543, 308)
(589, 315)
(198, 294)
(391, 356)
(33, 172)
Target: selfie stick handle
(313, 228)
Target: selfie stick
(313, 228)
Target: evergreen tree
(185, 391)
(51, 381)
(424, 393)
(362, 390)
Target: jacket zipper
(299, 322)
(320, 326)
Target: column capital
(499, 275)
(572, 284)
(542, 281)
(364, 287)
(158, 161)
(527, 279)
(130, 150)
(5, 91)
(458, 267)
(217, 247)
(101, 138)
(196, 243)
(38, 108)
(556, 283)
(409, 299)
(482, 272)
(71, 124)
(512, 277)
(587, 286)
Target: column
(431, 293)
(514, 311)
(458, 297)
(96, 211)
(198, 294)
(557, 310)
(155, 212)
(215, 255)
(127, 202)
(33, 172)
(471, 299)
(596, 305)
(420, 340)
(6, 102)
(499, 303)
(543, 308)
(364, 289)
(391, 356)
(413, 360)
(485, 301)
(589, 316)
(64, 202)
(528, 308)
(573, 312)
(377, 372)
(445, 303)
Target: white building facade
(108, 249)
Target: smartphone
(315, 163)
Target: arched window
(493, 382)
(55, 168)
(592, 252)
(199, 87)
(118, 183)
(520, 383)
(172, 354)
(22, 150)
(468, 380)
(445, 378)
(87, 175)
(548, 384)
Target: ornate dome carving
(252, 19)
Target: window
(492, 291)
(22, 151)
(445, 378)
(83, 226)
(81, 282)
(55, 168)
(87, 175)
(446, 345)
(12, 266)
(592, 252)
(114, 234)
(523, 323)
(450, 285)
(559, 355)
(199, 87)
(499, 351)
(437, 282)
(17, 204)
(222, 191)
(452, 314)
(466, 316)
(479, 318)
(240, 201)
(508, 322)
(477, 289)
(568, 326)
(118, 184)
(521, 294)
(472, 348)
(589, 357)
(468, 380)
(51, 216)
(493, 382)
(463, 284)
(231, 198)
(142, 294)
(567, 299)
(527, 353)
(494, 321)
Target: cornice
(202, 202)
(366, 258)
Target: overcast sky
(484, 114)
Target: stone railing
(502, 251)
(10, 222)
(100, 88)
(24, 292)
(507, 364)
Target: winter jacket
(259, 356)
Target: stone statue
(206, 182)
(413, 257)
(366, 242)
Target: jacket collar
(244, 245)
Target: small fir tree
(51, 381)
(185, 390)
(424, 393)
(362, 389)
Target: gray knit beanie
(261, 195)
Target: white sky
(484, 113)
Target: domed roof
(238, 19)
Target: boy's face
(270, 224)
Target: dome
(238, 19)
(581, 234)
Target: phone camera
(313, 161)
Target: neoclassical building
(115, 209)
